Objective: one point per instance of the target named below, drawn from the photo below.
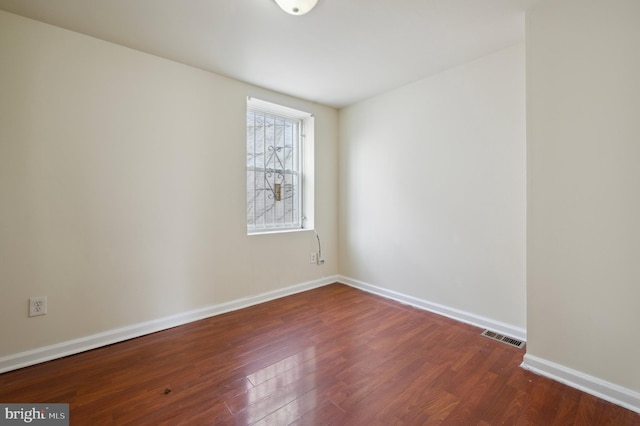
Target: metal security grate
(273, 172)
(504, 339)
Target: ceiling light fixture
(297, 7)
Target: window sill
(278, 231)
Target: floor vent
(504, 339)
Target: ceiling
(342, 52)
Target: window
(275, 167)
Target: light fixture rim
(297, 7)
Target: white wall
(122, 189)
(583, 110)
(432, 189)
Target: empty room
(320, 212)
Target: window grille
(274, 171)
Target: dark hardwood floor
(329, 356)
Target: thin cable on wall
(320, 258)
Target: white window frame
(305, 168)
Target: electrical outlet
(313, 258)
(37, 306)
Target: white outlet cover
(37, 306)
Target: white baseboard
(608, 391)
(70, 347)
(592, 385)
(456, 314)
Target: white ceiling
(341, 52)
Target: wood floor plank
(330, 356)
